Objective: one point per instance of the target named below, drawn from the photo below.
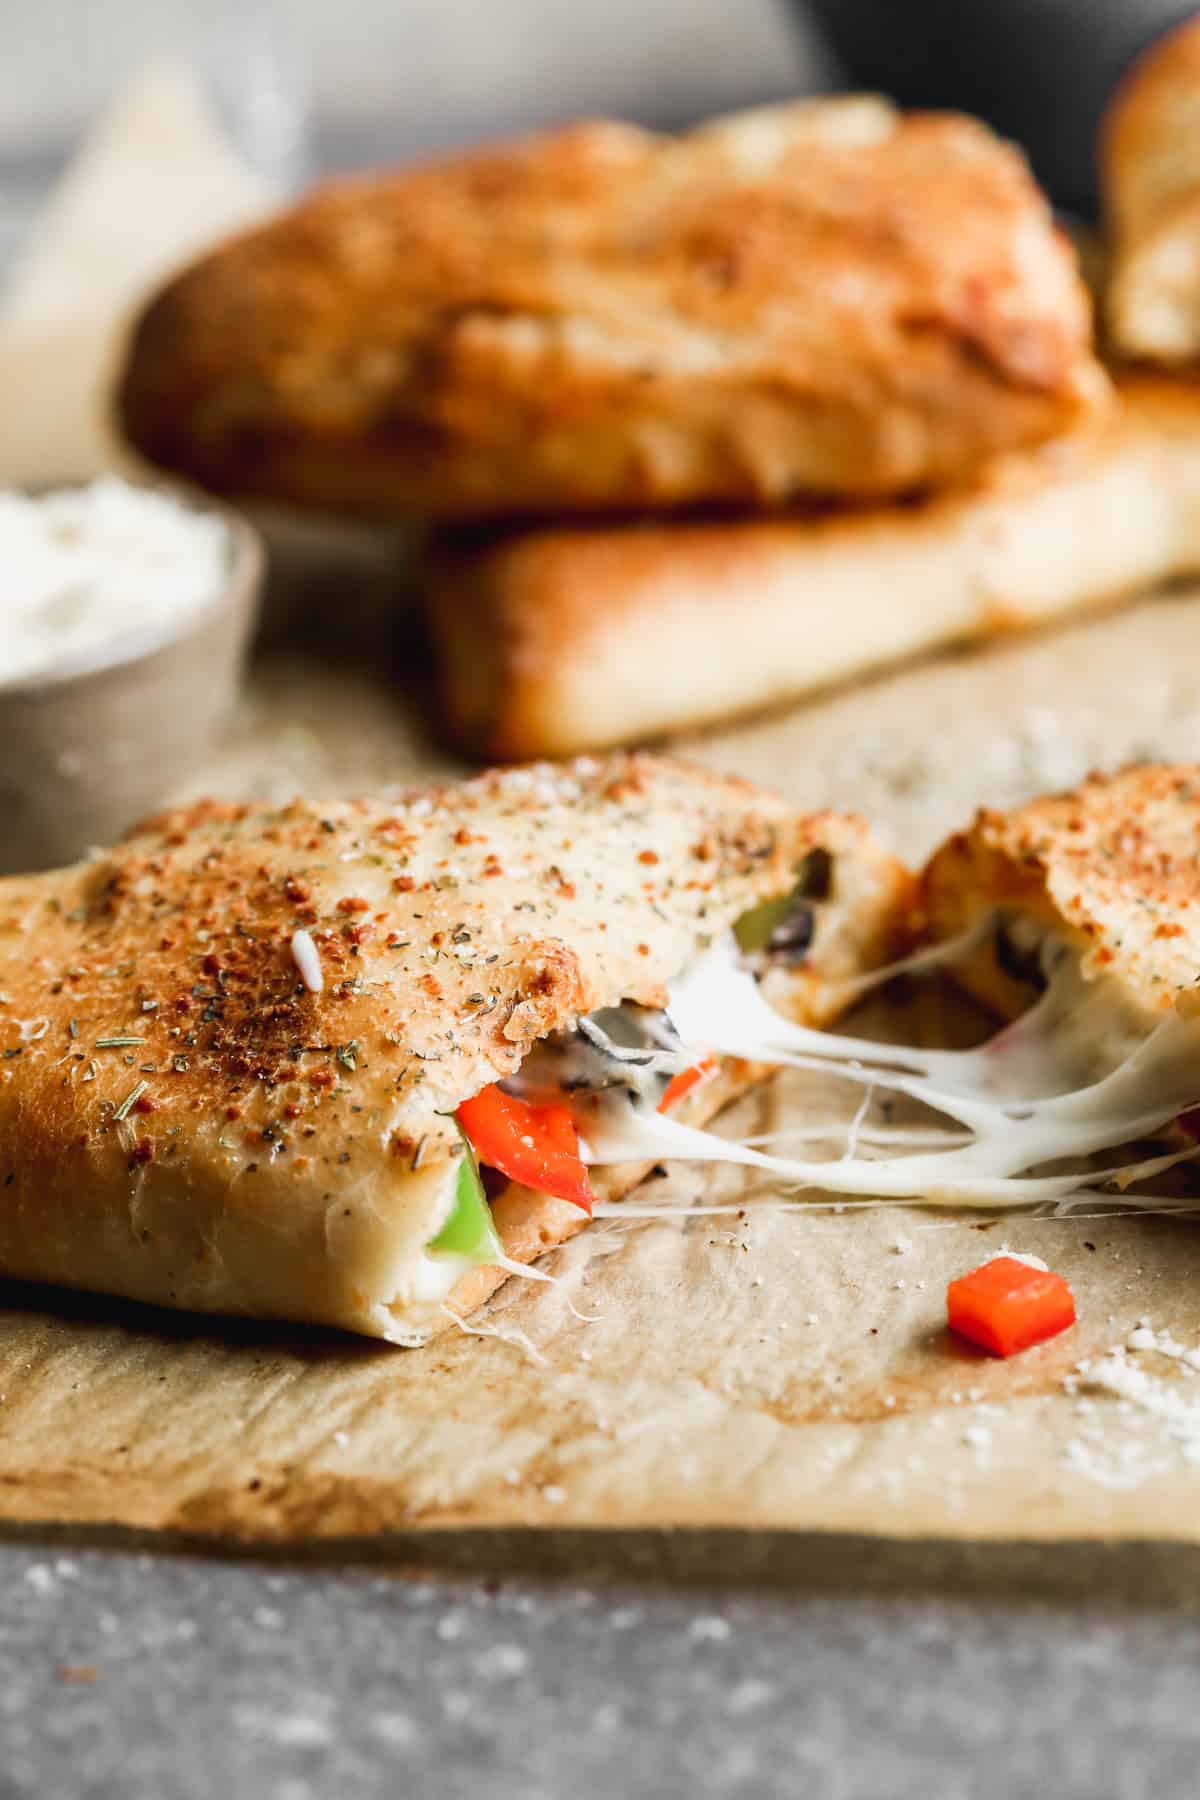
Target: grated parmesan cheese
(1021, 1256)
(1170, 1405)
(88, 569)
(1177, 1412)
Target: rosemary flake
(132, 1097)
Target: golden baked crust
(1113, 866)
(184, 1120)
(825, 298)
(552, 641)
(1150, 171)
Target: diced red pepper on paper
(1006, 1305)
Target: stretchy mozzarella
(1073, 1076)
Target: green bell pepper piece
(753, 930)
(470, 1231)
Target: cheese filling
(1073, 1076)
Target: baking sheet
(779, 1369)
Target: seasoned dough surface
(200, 1108)
(1115, 864)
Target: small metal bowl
(88, 748)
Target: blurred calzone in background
(698, 424)
(1150, 170)
(823, 298)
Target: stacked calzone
(579, 340)
(824, 298)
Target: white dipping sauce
(83, 570)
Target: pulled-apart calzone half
(1077, 919)
(353, 1063)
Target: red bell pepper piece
(1005, 1305)
(686, 1080)
(535, 1144)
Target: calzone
(354, 1062)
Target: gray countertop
(156, 1676)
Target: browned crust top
(457, 327)
(453, 927)
(1158, 92)
(1116, 862)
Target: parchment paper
(785, 1369)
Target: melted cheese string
(880, 1137)
(720, 1005)
(1061, 1207)
(945, 1178)
(1060, 1083)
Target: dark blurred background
(1040, 71)
(304, 85)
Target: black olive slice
(1020, 962)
